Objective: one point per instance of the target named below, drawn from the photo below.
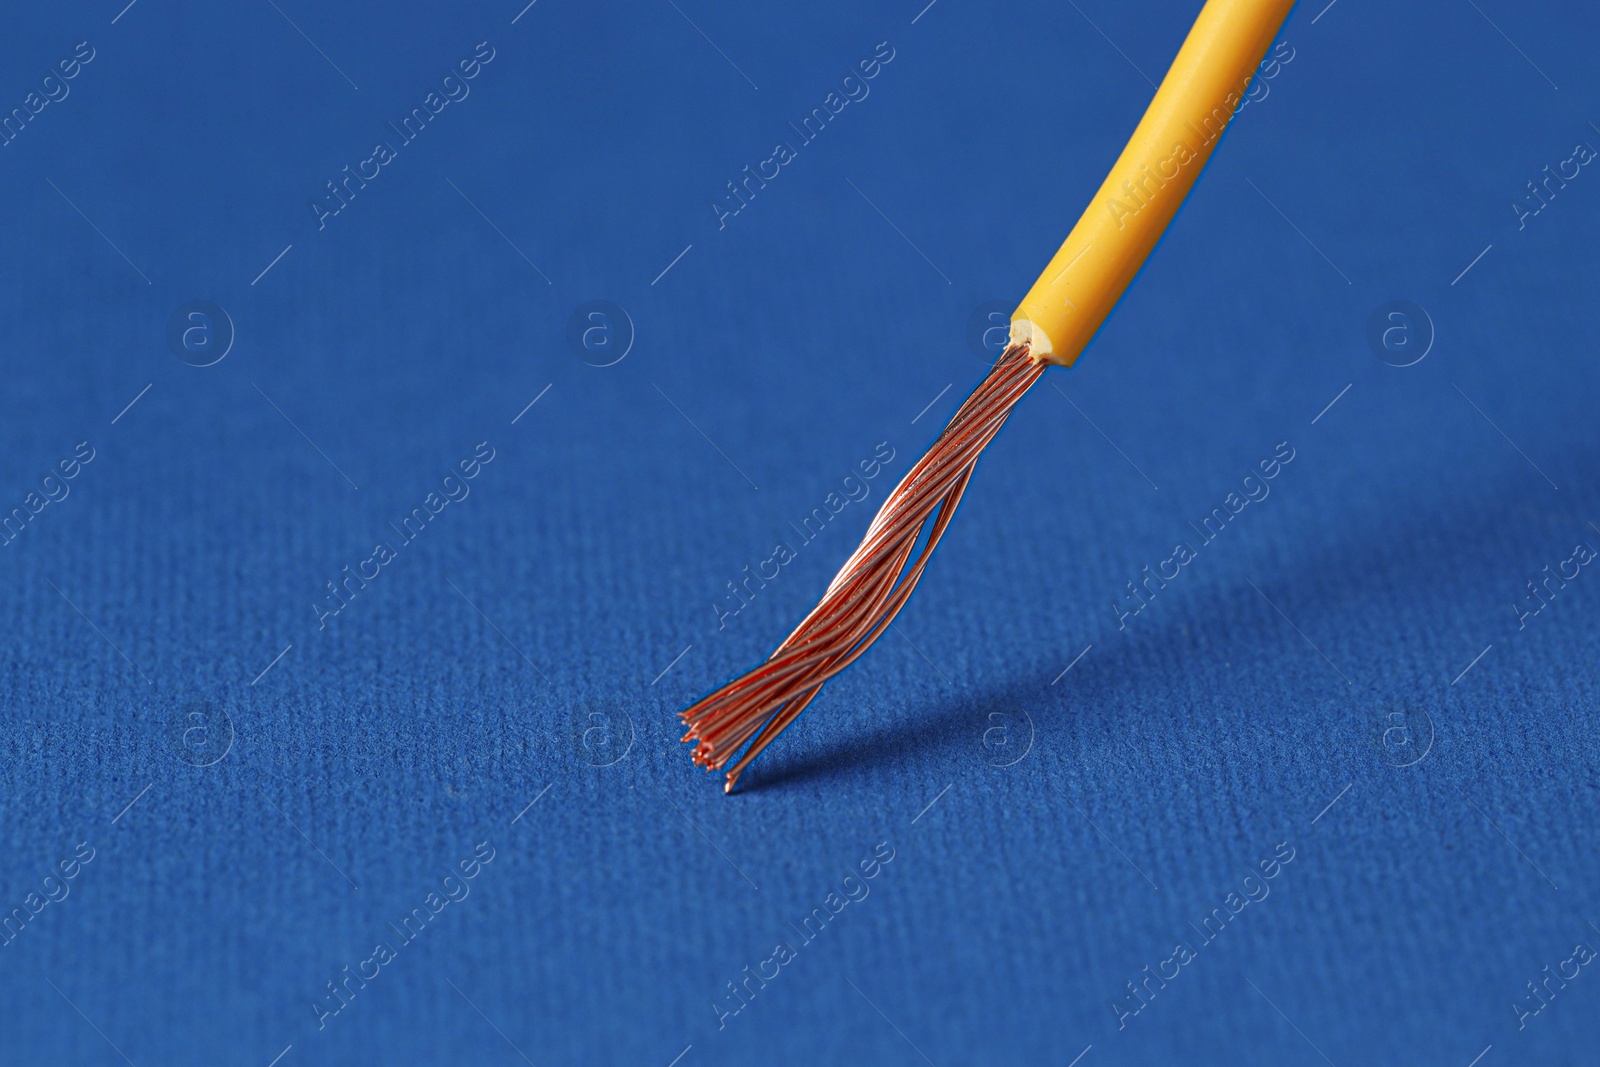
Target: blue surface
(1339, 675)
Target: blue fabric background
(537, 638)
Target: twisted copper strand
(869, 590)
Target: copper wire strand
(875, 581)
(790, 711)
(848, 634)
(762, 690)
(869, 590)
(851, 573)
(853, 645)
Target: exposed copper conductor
(869, 590)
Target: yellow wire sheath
(1145, 188)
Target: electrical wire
(1056, 320)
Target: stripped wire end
(869, 590)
